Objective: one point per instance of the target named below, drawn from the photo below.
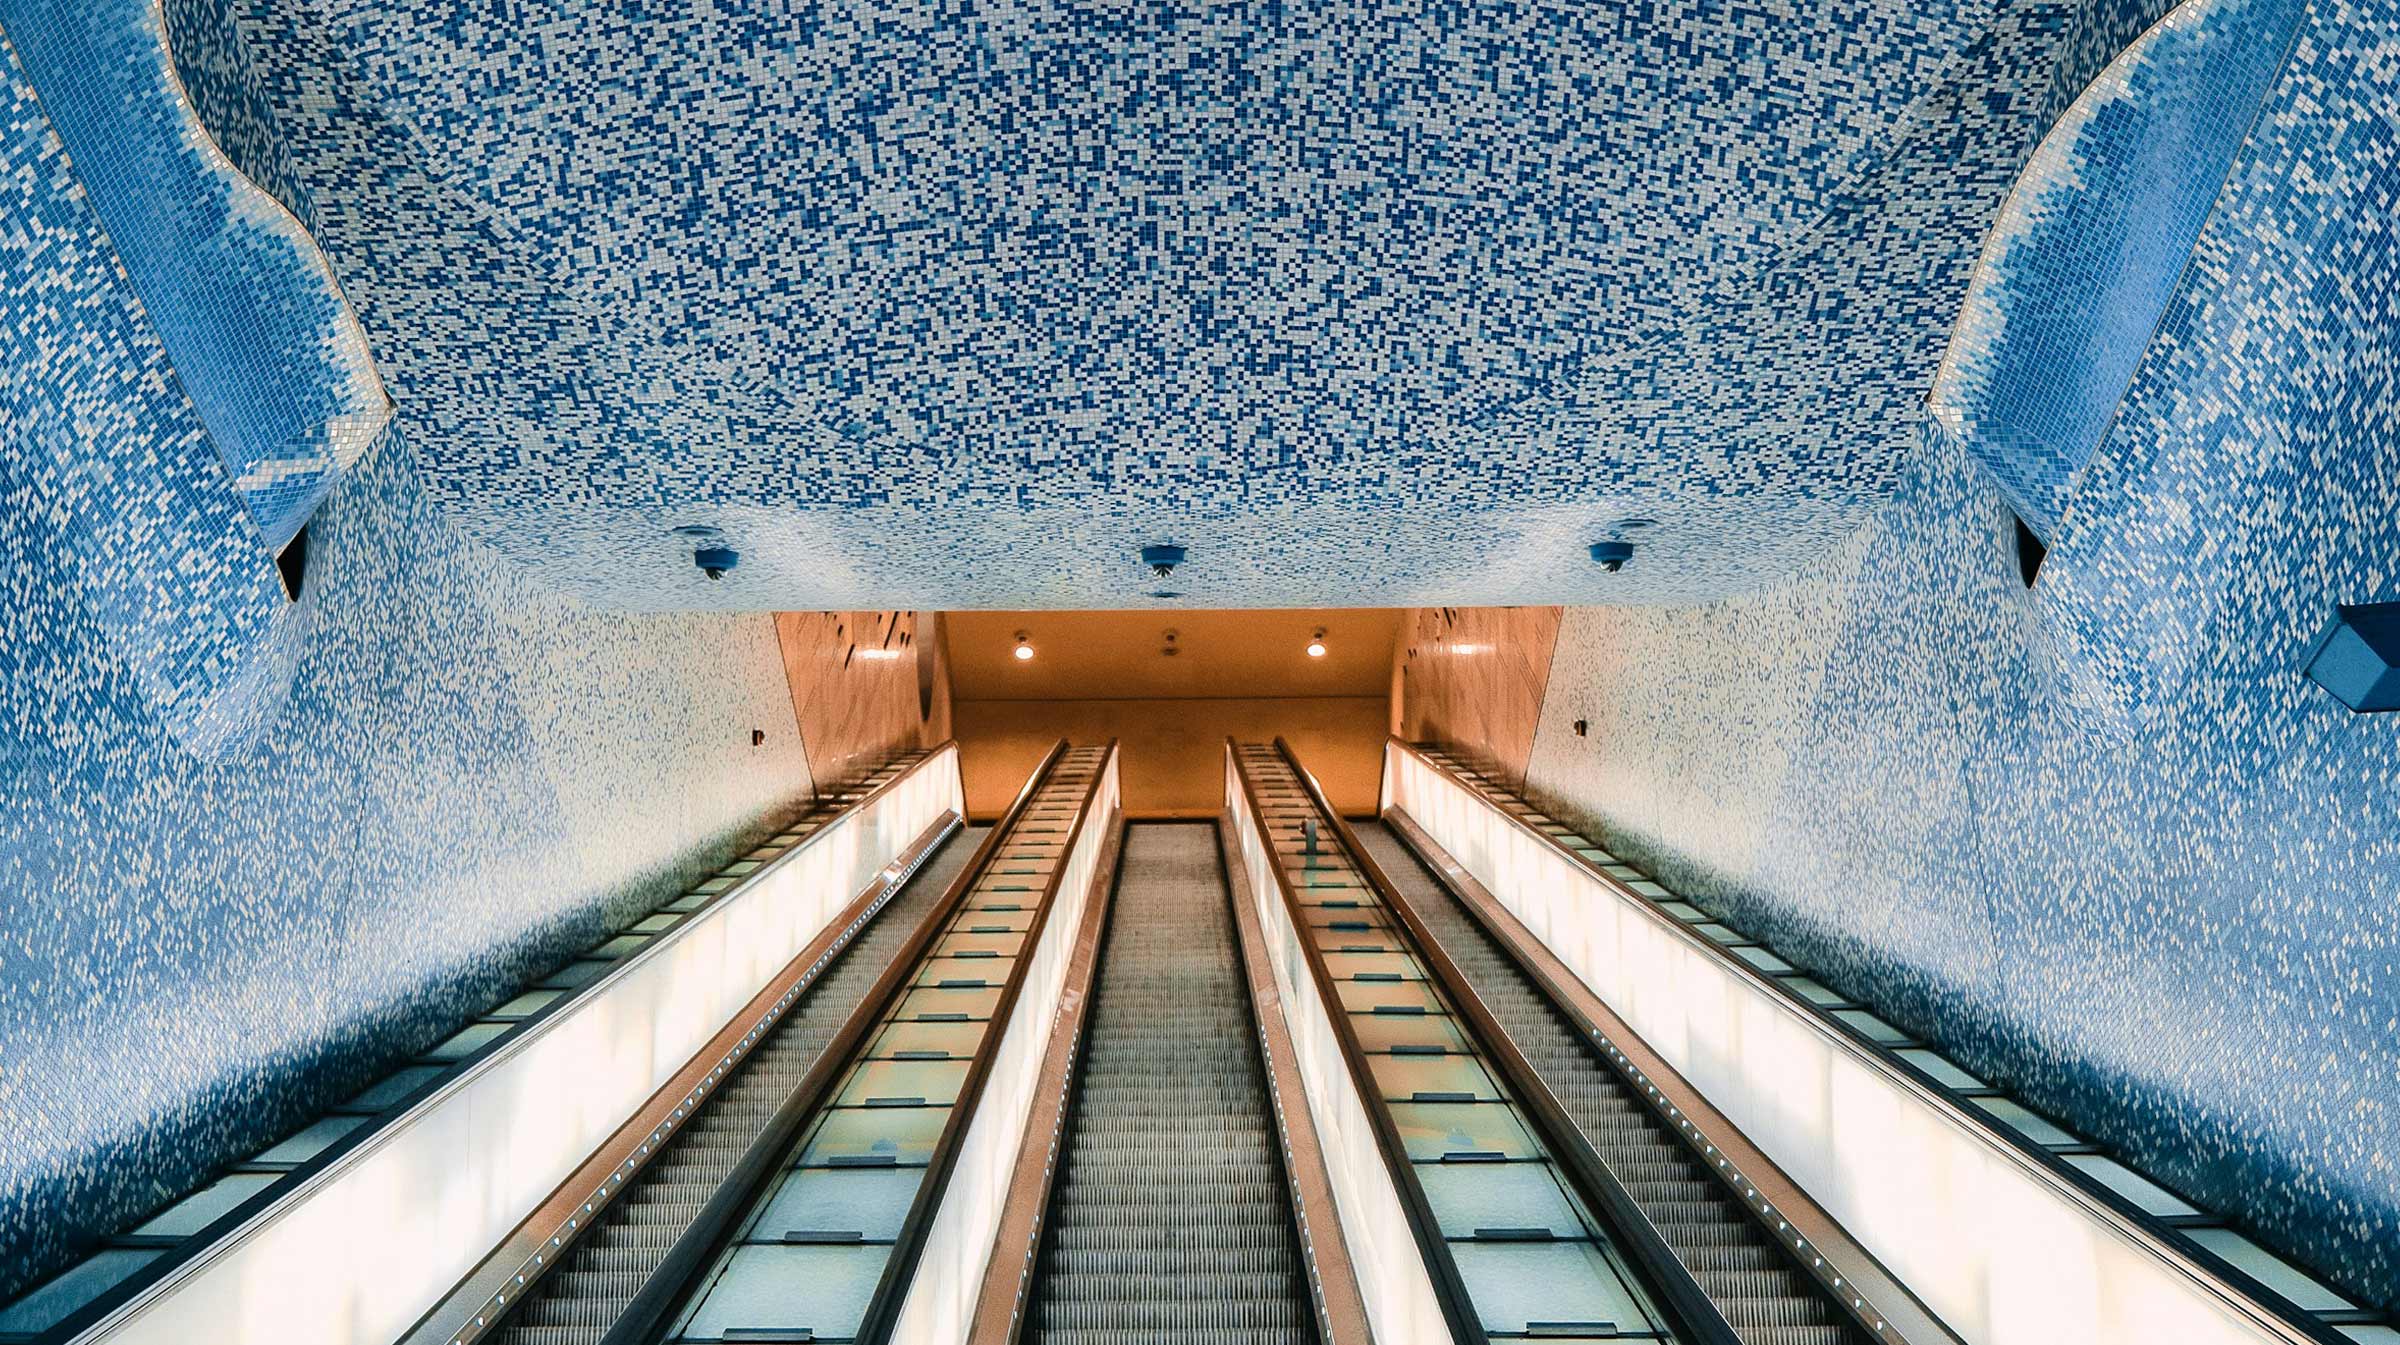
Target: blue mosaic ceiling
(956, 306)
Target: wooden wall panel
(1174, 749)
(1473, 678)
(864, 685)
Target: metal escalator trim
(539, 1244)
(2233, 1289)
(147, 1287)
(695, 1250)
(891, 1293)
(1333, 1280)
(1448, 1287)
(1171, 1209)
(1822, 1248)
(1693, 1318)
(1016, 1243)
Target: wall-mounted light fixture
(1316, 644)
(1162, 558)
(1024, 647)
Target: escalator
(1170, 1217)
(584, 1295)
(1750, 1279)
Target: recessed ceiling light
(1024, 650)
(1316, 644)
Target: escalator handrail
(1449, 1288)
(1025, 1209)
(2240, 1293)
(1341, 1307)
(153, 1283)
(482, 1300)
(662, 1297)
(891, 1292)
(1851, 1276)
(1691, 1315)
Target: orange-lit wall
(1473, 678)
(864, 685)
(1173, 749)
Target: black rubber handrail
(891, 1292)
(654, 1308)
(2265, 1307)
(1040, 1185)
(1449, 1289)
(1695, 1143)
(158, 1277)
(1692, 1317)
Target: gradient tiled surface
(1357, 306)
(456, 777)
(264, 346)
(2179, 935)
(471, 779)
(2093, 240)
(180, 381)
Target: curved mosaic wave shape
(176, 492)
(245, 302)
(2093, 241)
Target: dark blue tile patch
(2093, 241)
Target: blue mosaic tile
(2173, 929)
(472, 779)
(1352, 306)
(458, 777)
(2093, 241)
(272, 358)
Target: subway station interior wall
(865, 685)
(1174, 750)
(471, 779)
(2181, 935)
(2184, 943)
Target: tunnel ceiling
(958, 305)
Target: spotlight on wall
(1024, 647)
(1316, 644)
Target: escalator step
(602, 1271)
(1753, 1284)
(1170, 1218)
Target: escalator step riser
(1169, 1217)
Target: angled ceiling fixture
(1316, 644)
(1024, 649)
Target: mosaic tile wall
(2093, 240)
(471, 779)
(2183, 936)
(270, 355)
(958, 306)
(174, 503)
(458, 778)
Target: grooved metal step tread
(1169, 1218)
(580, 1299)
